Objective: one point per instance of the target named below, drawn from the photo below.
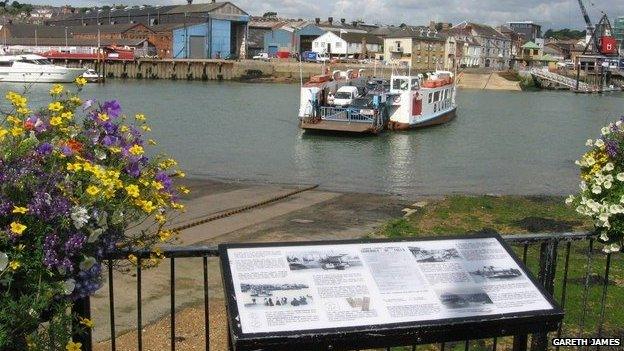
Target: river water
(501, 142)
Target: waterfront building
(140, 47)
(147, 14)
(419, 49)
(220, 37)
(618, 29)
(292, 37)
(495, 50)
(530, 30)
(347, 44)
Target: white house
(341, 43)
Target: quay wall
(281, 71)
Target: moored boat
(405, 102)
(35, 69)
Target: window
(338, 44)
(430, 97)
(415, 85)
(399, 84)
(398, 44)
(436, 96)
(6, 63)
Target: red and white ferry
(402, 103)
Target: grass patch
(460, 215)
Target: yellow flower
(3, 133)
(146, 128)
(124, 128)
(14, 265)
(73, 346)
(177, 206)
(133, 259)
(165, 235)
(103, 117)
(115, 149)
(160, 218)
(140, 117)
(80, 81)
(17, 131)
(184, 190)
(73, 167)
(87, 322)
(21, 210)
(67, 115)
(151, 141)
(148, 206)
(23, 110)
(180, 174)
(55, 106)
(17, 228)
(157, 185)
(14, 120)
(93, 190)
(75, 100)
(132, 190)
(136, 150)
(56, 121)
(57, 89)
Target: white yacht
(35, 69)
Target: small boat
(405, 102)
(92, 76)
(35, 69)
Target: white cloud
(555, 13)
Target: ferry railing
(341, 114)
(549, 256)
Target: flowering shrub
(602, 185)
(73, 176)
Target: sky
(549, 13)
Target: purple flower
(612, 148)
(133, 169)
(48, 207)
(87, 104)
(109, 128)
(74, 243)
(164, 179)
(112, 108)
(110, 140)
(66, 150)
(44, 149)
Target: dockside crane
(599, 42)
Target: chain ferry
(349, 102)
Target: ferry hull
(318, 125)
(440, 119)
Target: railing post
(82, 307)
(546, 277)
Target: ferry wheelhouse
(403, 102)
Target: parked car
(345, 95)
(262, 56)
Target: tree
(270, 14)
(16, 5)
(565, 33)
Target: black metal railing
(540, 250)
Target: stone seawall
(280, 71)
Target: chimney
(343, 21)
(317, 20)
(354, 23)
(432, 25)
(330, 20)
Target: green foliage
(563, 34)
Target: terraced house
(418, 48)
(495, 47)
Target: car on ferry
(345, 95)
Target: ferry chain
(238, 210)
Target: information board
(284, 288)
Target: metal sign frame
(393, 334)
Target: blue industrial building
(221, 36)
(291, 38)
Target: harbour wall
(252, 70)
